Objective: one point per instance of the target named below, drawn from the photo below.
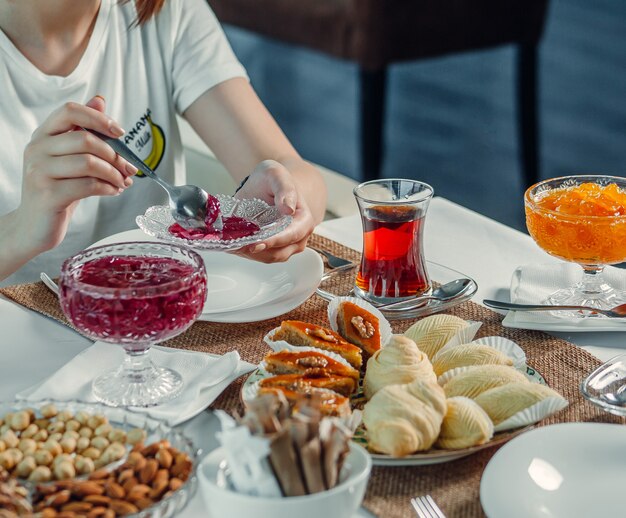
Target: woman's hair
(146, 9)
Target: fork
(333, 261)
(425, 507)
(50, 284)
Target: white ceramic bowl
(342, 501)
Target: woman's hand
(63, 166)
(273, 183)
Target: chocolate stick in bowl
(285, 464)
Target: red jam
(233, 227)
(128, 316)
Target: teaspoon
(616, 312)
(188, 203)
(443, 293)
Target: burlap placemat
(454, 485)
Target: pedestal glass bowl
(581, 219)
(135, 295)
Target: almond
(114, 490)
(158, 488)
(144, 503)
(175, 484)
(58, 499)
(122, 507)
(164, 457)
(97, 512)
(148, 471)
(182, 469)
(77, 507)
(98, 499)
(125, 475)
(99, 474)
(129, 483)
(137, 492)
(87, 488)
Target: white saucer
(241, 290)
(566, 470)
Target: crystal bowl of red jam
(134, 294)
(245, 222)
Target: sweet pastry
(359, 326)
(308, 362)
(502, 402)
(433, 332)
(469, 354)
(475, 380)
(404, 419)
(399, 362)
(305, 334)
(298, 382)
(465, 424)
(330, 403)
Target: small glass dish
(157, 220)
(340, 283)
(126, 420)
(605, 387)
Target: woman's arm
(233, 122)
(61, 167)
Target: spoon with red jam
(188, 203)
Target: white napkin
(533, 283)
(199, 372)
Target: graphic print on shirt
(146, 135)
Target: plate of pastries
(431, 394)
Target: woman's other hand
(273, 183)
(63, 166)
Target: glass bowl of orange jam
(581, 219)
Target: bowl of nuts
(80, 457)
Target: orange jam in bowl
(581, 219)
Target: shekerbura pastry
(475, 380)
(465, 424)
(468, 354)
(404, 419)
(433, 332)
(502, 402)
(399, 362)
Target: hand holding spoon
(188, 203)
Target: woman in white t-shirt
(126, 69)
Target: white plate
(564, 470)
(533, 283)
(241, 290)
(250, 388)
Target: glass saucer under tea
(340, 283)
(157, 220)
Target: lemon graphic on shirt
(158, 147)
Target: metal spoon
(616, 312)
(188, 203)
(443, 293)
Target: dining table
(33, 346)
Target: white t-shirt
(147, 74)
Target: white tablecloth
(32, 346)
